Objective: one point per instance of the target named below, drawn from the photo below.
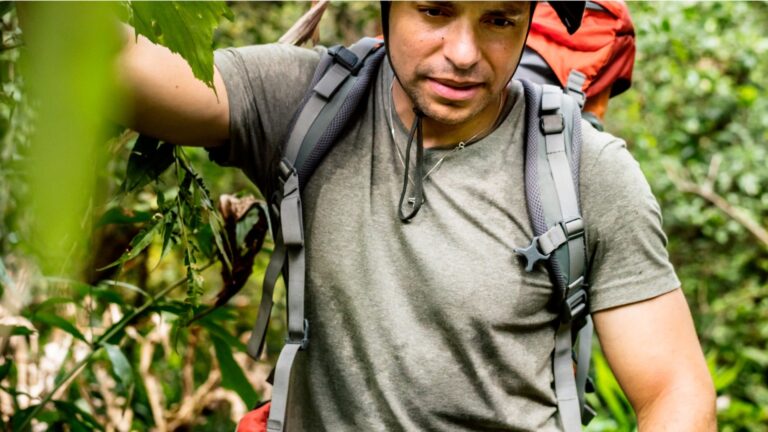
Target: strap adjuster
(346, 58)
(575, 305)
(285, 170)
(573, 228)
(304, 341)
(552, 123)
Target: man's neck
(441, 135)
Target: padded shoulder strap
(342, 79)
(553, 150)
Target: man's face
(454, 59)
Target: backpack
(553, 147)
(598, 59)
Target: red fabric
(256, 420)
(603, 48)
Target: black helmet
(570, 13)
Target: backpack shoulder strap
(341, 79)
(553, 150)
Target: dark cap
(570, 13)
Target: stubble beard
(436, 111)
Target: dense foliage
(108, 276)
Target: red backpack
(603, 49)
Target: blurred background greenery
(117, 349)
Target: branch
(306, 27)
(707, 192)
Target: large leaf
(185, 28)
(117, 215)
(76, 418)
(54, 320)
(220, 332)
(120, 364)
(232, 377)
(142, 240)
(149, 158)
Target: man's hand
(168, 102)
(653, 350)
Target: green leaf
(5, 368)
(53, 301)
(149, 158)
(57, 321)
(77, 418)
(120, 364)
(220, 332)
(232, 377)
(117, 215)
(185, 28)
(138, 244)
(20, 331)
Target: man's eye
(432, 12)
(501, 22)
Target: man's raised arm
(166, 100)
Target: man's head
(453, 59)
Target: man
(433, 324)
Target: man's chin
(448, 115)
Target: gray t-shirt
(432, 325)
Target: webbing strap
(565, 384)
(283, 370)
(560, 170)
(259, 332)
(583, 357)
(574, 87)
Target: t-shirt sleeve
(630, 262)
(265, 84)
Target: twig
(154, 389)
(305, 27)
(707, 192)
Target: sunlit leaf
(185, 28)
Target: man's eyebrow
(508, 7)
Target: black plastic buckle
(285, 170)
(304, 341)
(532, 254)
(573, 228)
(552, 123)
(346, 58)
(575, 306)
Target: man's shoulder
(268, 59)
(599, 147)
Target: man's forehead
(488, 6)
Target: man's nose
(460, 46)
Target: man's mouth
(454, 90)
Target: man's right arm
(166, 100)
